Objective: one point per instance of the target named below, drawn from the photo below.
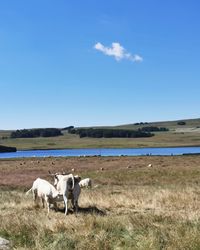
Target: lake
(102, 152)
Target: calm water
(102, 152)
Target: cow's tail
(29, 191)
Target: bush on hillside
(181, 123)
(4, 149)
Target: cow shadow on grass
(85, 210)
(92, 210)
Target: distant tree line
(31, 133)
(110, 133)
(87, 132)
(153, 129)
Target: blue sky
(89, 63)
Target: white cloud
(137, 58)
(118, 52)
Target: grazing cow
(68, 186)
(44, 190)
(85, 183)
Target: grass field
(131, 205)
(178, 135)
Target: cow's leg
(35, 195)
(55, 206)
(48, 203)
(65, 203)
(76, 206)
(43, 202)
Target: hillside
(178, 135)
(171, 125)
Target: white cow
(44, 190)
(85, 183)
(68, 186)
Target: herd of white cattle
(66, 187)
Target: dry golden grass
(128, 208)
